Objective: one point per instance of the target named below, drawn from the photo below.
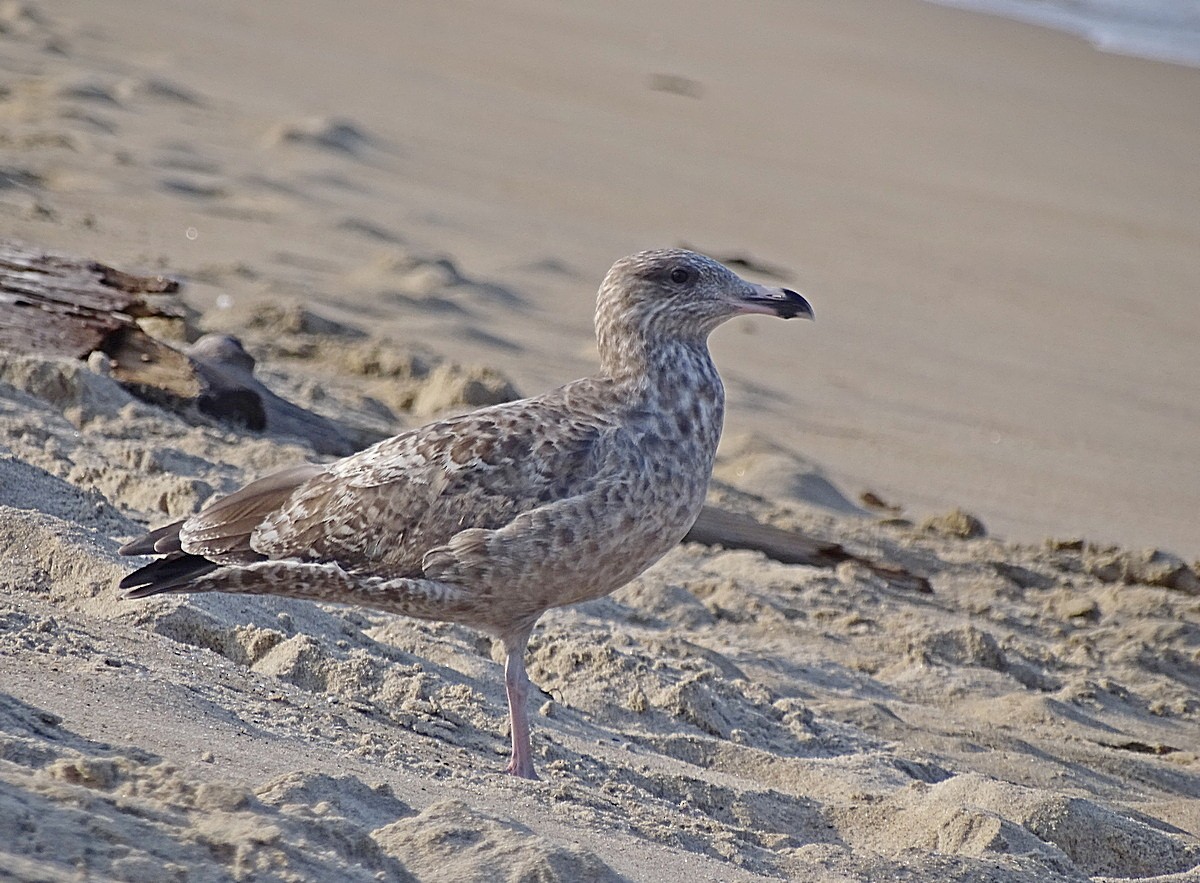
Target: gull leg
(516, 685)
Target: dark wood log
(55, 305)
(59, 306)
(720, 527)
(731, 530)
(232, 390)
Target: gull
(491, 518)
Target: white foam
(1164, 30)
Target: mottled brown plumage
(491, 518)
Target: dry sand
(998, 228)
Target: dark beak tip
(797, 306)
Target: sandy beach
(998, 227)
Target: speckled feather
(493, 517)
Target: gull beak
(781, 302)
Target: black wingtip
(174, 573)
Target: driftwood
(730, 530)
(720, 527)
(54, 305)
(227, 371)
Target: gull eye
(680, 275)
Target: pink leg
(516, 684)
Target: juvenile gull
(492, 518)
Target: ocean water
(1166, 30)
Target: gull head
(672, 293)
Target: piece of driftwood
(731, 530)
(61, 306)
(720, 527)
(230, 387)
(55, 305)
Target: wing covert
(387, 506)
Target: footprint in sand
(323, 133)
(193, 188)
(88, 88)
(369, 230)
(409, 277)
(157, 89)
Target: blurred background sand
(999, 226)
